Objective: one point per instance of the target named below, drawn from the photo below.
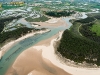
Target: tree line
(85, 28)
(86, 20)
(79, 49)
(59, 13)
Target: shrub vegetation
(80, 48)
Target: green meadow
(96, 28)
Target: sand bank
(51, 22)
(32, 62)
(49, 53)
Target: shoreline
(71, 63)
(46, 47)
(35, 63)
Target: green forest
(59, 13)
(15, 34)
(80, 48)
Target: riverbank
(6, 47)
(55, 22)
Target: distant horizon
(49, 0)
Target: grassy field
(96, 28)
(75, 29)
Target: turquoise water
(10, 56)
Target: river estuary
(11, 55)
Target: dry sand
(51, 22)
(49, 53)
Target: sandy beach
(48, 53)
(32, 62)
(51, 22)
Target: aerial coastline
(42, 48)
(50, 37)
(47, 42)
(46, 50)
